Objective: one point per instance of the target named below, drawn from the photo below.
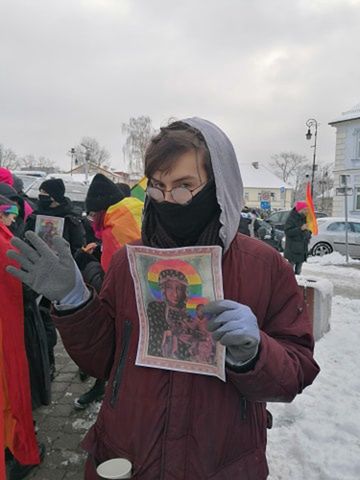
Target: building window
(357, 191)
(357, 198)
(246, 195)
(356, 148)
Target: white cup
(115, 469)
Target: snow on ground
(317, 436)
(334, 258)
(346, 278)
(86, 423)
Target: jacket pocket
(122, 360)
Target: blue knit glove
(235, 326)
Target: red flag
(311, 217)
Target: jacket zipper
(120, 368)
(243, 408)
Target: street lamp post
(312, 123)
(86, 162)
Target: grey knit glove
(235, 326)
(46, 272)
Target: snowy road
(346, 280)
(317, 436)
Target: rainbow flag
(311, 217)
(138, 190)
(122, 224)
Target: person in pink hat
(297, 236)
(6, 176)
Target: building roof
(352, 114)
(259, 176)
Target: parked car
(28, 180)
(331, 237)
(278, 219)
(270, 234)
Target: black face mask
(186, 222)
(44, 201)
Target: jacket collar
(5, 232)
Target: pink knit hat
(6, 176)
(300, 205)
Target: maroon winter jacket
(181, 426)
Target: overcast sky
(257, 68)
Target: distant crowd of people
(27, 357)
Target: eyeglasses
(180, 195)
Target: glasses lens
(181, 195)
(155, 194)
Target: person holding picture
(169, 424)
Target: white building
(262, 187)
(347, 160)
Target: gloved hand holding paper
(235, 326)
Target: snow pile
(323, 286)
(334, 258)
(82, 424)
(85, 423)
(317, 435)
(72, 458)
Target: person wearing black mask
(172, 424)
(52, 201)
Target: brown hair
(173, 141)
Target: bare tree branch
(8, 158)
(98, 155)
(139, 132)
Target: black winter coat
(297, 240)
(74, 231)
(244, 225)
(36, 343)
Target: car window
(356, 227)
(284, 216)
(279, 217)
(320, 215)
(27, 181)
(337, 227)
(275, 217)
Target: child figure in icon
(203, 349)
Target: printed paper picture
(47, 227)
(172, 287)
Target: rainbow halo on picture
(194, 282)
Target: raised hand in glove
(235, 326)
(46, 272)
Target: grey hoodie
(229, 186)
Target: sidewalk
(60, 426)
